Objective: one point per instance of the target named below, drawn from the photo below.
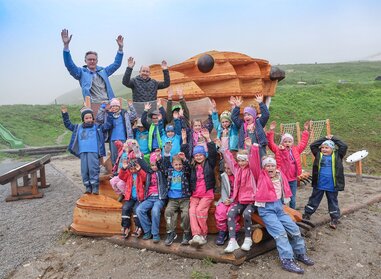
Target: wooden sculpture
(221, 74)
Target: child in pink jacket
(287, 156)
(245, 170)
(272, 189)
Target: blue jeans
(315, 199)
(90, 170)
(113, 151)
(153, 204)
(293, 187)
(281, 227)
(129, 207)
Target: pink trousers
(221, 216)
(198, 214)
(118, 185)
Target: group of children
(165, 161)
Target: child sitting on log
(224, 204)
(202, 182)
(272, 189)
(245, 171)
(327, 176)
(227, 131)
(287, 156)
(87, 143)
(117, 184)
(177, 174)
(135, 178)
(251, 126)
(155, 195)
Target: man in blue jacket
(92, 78)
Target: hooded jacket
(266, 190)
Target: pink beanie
(153, 158)
(250, 110)
(114, 102)
(286, 136)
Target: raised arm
(343, 147)
(74, 71)
(265, 113)
(66, 119)
(126, 81)
(270, 138)
(167, 80)
(305, 136)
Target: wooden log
(358, 165)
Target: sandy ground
(351, 251)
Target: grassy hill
(353, 108)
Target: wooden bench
(33, 177)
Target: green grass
(353, 108)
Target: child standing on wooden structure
(154, 129)
(327, 176)
(177, 174)
(245, 171)
(251, 126)
(227, 131)
(179, 111)
(86, 143)
(272, 189)
(141, 136)
(135, 179)
(120, 126)
(202, 182)
(287, 156)
(155, 195)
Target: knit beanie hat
(169, 128)
(86, 110)
(286, 136)
(199, 149)
(176, 107)
(250, 110)
(114, 102)
(153, 158)
(226, 115)
(329, 143)
(268, 160)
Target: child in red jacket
(287, 156)
(134, 177)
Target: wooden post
(88, 101)
(358, 171)
(328, 126)
(298, 131)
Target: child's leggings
(246, 210)
(221, 215)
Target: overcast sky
(281, 31)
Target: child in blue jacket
(87, 143)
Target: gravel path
(30, 227)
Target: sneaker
(291, 266)
(95, 192)
(137, 233)
(202, 240)
(171, 236)
(333, 223)
(247, 244)
(232, 246)
(221, 237)
(88, 190)
(306, 216)
(125, 232)
(120, 198)
(156, 238)
(195, 241)
(147, 236)
(186, 238)
(304, 259)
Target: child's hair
(242, 154)
(197, 120)
(176, 158)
